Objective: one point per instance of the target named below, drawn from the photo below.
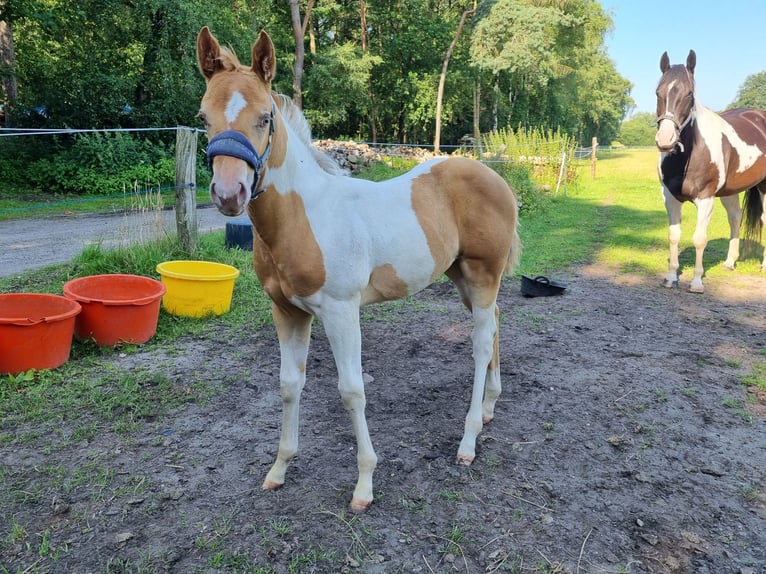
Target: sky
(727, 36)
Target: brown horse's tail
(753, 208)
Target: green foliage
(530, 160)
(110, 63)
(103, 164)
(336, 89)
(638, 131)
(752, 93)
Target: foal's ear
(691, 61)
(208, 53)
(264, 61)
(664, 62)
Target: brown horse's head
(237, 111)
(675, 100)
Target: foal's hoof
(465, 459)
(486, 420)
(358, 506)
(270, 485)
(670, 284)
(696, 289)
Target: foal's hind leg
(493, 387)
(294, 333)
(734, 214)
(483, 335)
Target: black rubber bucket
(540, 286)
(239, 234)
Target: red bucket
(116, 308)
(35, 331)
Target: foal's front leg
(294, 333)
(341, 323)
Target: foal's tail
(753, 208)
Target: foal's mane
(291, 113)
(294, 116)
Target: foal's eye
(263, 121)
(203, 118)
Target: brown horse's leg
(734, 214)
(673, 207)
(763, 223)
(294, 333)
(704, 212)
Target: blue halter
(234, 143)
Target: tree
(752, 93)
(299, 31)
(639, 130)
(7, 72)
(443, 77)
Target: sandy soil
(624, 441)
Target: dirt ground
(624, 441)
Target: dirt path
(624, 442)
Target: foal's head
(675, 100)
(237, 111)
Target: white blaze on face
(236, 104)
(666, 130)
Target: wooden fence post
(186, 188)
(594, 145)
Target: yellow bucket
(197, 288)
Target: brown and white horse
(704, 155)
(325, 243)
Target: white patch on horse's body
(713, 129)
(236, 104)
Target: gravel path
(31, 243)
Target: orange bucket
(35, 331)
(116, 308)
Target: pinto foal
(325, 243)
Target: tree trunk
(477, 110)
(443, 77)
(363, 23)
(299, 31)
(7, 72)
(151, 58)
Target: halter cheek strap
(233, 143)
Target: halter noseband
(233, 143)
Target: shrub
(530, 160)
(103, 164)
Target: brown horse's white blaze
(325, 243)
(704, 155)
